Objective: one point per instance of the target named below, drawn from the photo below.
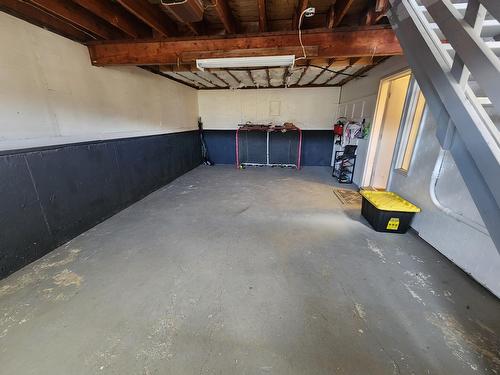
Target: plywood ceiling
(346, 37)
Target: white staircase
(453, 48)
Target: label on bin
(393, 223)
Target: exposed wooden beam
(330, 63)
(151, 15)
(222, 79)
(233, 77)
(375, 13)
(262, 15)
(302, 5)
(341, 8)
(285, 70)
(116, 16)
(366, 41)
(197, 28)
(43, 19)
(202, 82)
(330, 17)
(152, 69)
(382, 6)
(179, 68)
(362, 71)
(336, 75)
(250, 75)
(369, 17)
(286, 76)
(207, 80)
(78, 16)
(226, 16)
(302, 75)
(178, 78)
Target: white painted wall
(308, 108)
(469, 249)
(51, 94)
(358, 101)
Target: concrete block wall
(79, 143)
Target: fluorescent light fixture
(245, 62)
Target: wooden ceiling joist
(250, 76)
(340, 10)
(363, 70)
(366, 41)
(234, 77)
(46, 20)
(330, 17)
(76, 15)
(302, 5)
(210, 79)
(382, 6)
(151, 15)
(226, 16)
(339, 72)
(302, 76)
(325, 69)
(180, 79)
(221, 79)
(179, 68)
(116, 16)
(283, 77)
(154, 37)
(198, 80)
(261, 4)
(197, 28)
(171, 76)
(375, 13)
(204, 81)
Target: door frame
(377, 125)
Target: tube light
(245, 62)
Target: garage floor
(260, 271)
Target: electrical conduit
(436, 173)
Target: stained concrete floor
(260, 271)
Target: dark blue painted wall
(50, 195)
(317, 146)
(221, 146)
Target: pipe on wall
(436, 173)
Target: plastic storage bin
(386, 211)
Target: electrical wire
(176, 3)
(205, 7)
(304, 54)
(337, 72)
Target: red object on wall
(338, 129)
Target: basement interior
(250, 187)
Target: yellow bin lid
(388, 201)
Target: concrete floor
(260, 271)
